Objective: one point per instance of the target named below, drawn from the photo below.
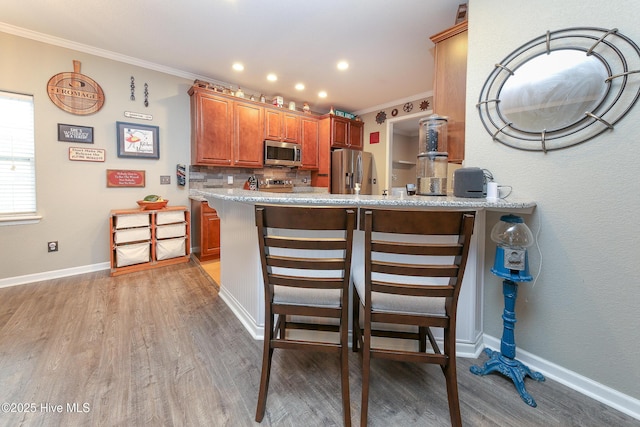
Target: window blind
(17, 154)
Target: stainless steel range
(276, 185)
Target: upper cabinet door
(356, 135)
(281, 126)
(248, 135)
(309, 140)
(339, 132)
(272, 124)
(291, 128)
(211, 124)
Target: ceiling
(385, 42)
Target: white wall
(405, 148)
(72, 196)
(582, 313)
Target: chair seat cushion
(396, 303)
(307, 296)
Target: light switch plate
(165, 179)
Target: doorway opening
(403, 136)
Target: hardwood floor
(160, 348)
(212, 268)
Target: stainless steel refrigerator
(349, 167)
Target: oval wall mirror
(561, 89)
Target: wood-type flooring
(160, 348)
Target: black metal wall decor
(561, 89)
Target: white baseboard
(257, 332)
(575, 381)
(55, 274)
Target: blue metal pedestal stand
(505, 361)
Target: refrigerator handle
(359, 171)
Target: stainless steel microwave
(278, 153)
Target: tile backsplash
(203, 177)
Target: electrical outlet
(52, 246)
(230, 179)
(165, 179)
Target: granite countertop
(318, 198)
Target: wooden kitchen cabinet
(209, 233)
(356, 135)
(279, 125)
(248, 123)
(449, 86)
(144, 239)
(338, 131)
(335, 132)
(205, 231)
(342, 132)
(309, 134)
(211, 128)
(225, 131)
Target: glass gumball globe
(512, 231)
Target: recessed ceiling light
(238, 66)
(343, 65)
(272, 77)
(322, 94)
(299, 86)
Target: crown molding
(103, 53)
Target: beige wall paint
(72, 196)
(582, 313)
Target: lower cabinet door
(210, 233)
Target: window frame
(26, 132)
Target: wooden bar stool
(306, 265)
(413, 266)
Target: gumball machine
(511, 263)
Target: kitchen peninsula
(241, 276)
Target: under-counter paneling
(243, 292)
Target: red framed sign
(125, 178)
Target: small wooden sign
(86, 154)
(141, 116)
(75, 93)
(125, 178)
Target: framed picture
(72, 133)
(461, 15)
(139, 141)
